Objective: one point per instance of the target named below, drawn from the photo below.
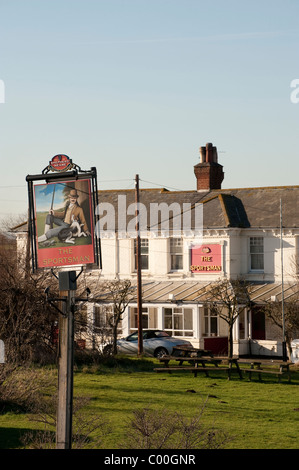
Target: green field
(256, 415)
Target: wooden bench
(200, 364)
(283, 368)
(262, 371)
(196, 360)
(193, 369)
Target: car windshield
(155, 334)
(148, 335)
(133, 337)
(162, 333)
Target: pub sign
(206, 259)
(62, 215)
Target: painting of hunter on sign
(64, 223)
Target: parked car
(156, 343)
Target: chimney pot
(209, 152)
(209, 173)
(202, 152)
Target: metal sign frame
(53, 175)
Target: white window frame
(180, 312)
(100, 321)
(176, 250)
(208, 317)
(262, 253)
(144, 243)
(148, 323)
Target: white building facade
(192, 239)
(199, 237)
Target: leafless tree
(119, 294)
(273, 310)
(84, 426)
(228, 298)
(163, 429)
(26, 319)
(110, 300)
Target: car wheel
(107, 350)
(160, 352)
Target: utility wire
(161, 186)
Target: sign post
(62, 217)
(67, 289)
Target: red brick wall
(209, 176)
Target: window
(256, 253)
(210, 322)
(176, 254)
(143, 253)
(178, 321)
(103, 317)
(149, 317)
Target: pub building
(189, 241)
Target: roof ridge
(162, 189)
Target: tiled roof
(240, 208)
(243, 208)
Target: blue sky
(137, 86)
(43, 196)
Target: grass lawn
(256, 415)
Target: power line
(161, 186)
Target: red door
(217, 344)
(258, 324)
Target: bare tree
(119, 294)
(273, 310)
(10, 221)
(26, 319)
(163, 429)
(86, 430)
(109, 306)
(228, 298)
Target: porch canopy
(194, 292)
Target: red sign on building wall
(206, 259)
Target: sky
(43, 195)
(137, 86)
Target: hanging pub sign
(62, 216)
(206, 258)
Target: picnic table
(198, 360)
(188, 351)
(201, 360)
(265, 366)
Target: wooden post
(65, 364)
(138, 268)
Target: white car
(156, 343)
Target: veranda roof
(194, 292)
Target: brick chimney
(209, 173)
